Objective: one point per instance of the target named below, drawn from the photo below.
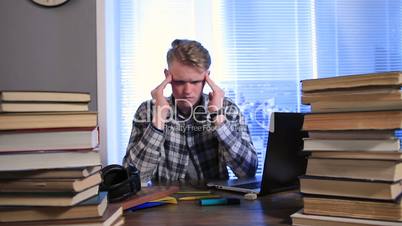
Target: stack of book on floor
(49, 163)
(354, 172)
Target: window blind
(260, 49)
(267, 51)
(358, 36)
(146, 30)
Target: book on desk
(93, 207)
(49, 163)
(353, 173)
(148, 194)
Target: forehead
(184, 72)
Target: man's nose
(187, 87)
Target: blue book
(147, 205)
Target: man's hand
(215, 100)
(216, 96)
(161, 105)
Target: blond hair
(189, 52)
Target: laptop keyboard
(251, 185)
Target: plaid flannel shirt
(164, 155)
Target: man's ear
(166, 72)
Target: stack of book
(49, 163)
(354, 172)
(34, 101)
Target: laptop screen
(285, 159)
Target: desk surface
(273, 209)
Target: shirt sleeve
(145, 143)
(237, 148)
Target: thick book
(352, 134)
(356, 208)
(113, 216)
(46, 199)
(385, 170)
(48, 139)
(44, 96)
(48, 160)
(353, 94)
(301, 219)
(148, 194)
(41, 106)
(378, 155)
(50, 185)
(36, 120)
(93, 207)
(351, 145)
(349, 105)
(79, 172)
(375, 120)
(350, 187)
(392, 78)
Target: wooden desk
(272, 209)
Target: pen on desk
(222, 201)
(188, 198)
(193, 192)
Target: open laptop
(284, 160)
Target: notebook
(284, 160)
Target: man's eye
(178, 82)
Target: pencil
(193, 192)
(188, 198)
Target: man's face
(187, 84)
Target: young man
(189, 136)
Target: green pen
(221, 201)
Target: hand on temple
(161, 105)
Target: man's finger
(167, 80)
(211, 83)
